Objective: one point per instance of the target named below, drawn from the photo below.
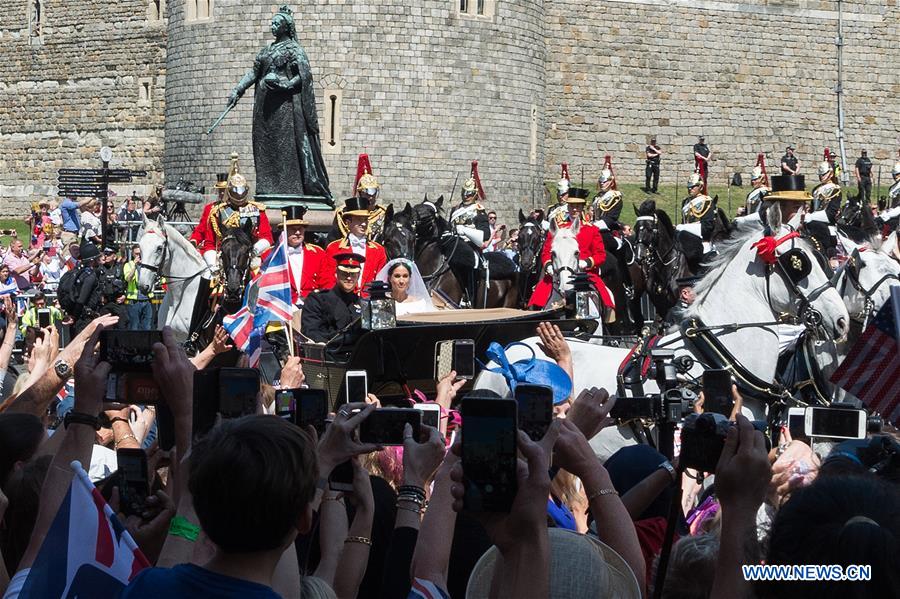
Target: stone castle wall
(78, 85)
(422, 89)
(752, 76)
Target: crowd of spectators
(246, 509)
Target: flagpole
(288, 326)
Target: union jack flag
(241, 328)
(871, 371)
(273, 288)
(87, 552)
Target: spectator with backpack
(80, 290)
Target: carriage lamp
(587, 300)
(378, 311)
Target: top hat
(294, 215)
(791, 188)
(577, 195)
(221, 181)
(356, 207)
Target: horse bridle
(232, 267)
(806, 314)
(852, 266)
(157, 268)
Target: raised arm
(90, 378)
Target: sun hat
(580, 566)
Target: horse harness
(852, 267)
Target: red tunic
(376, 258)
(204, 234)
(304, 283)
(590, 248)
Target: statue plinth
(282, 200)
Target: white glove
(261, 246)
(255, 262)
(471, 233)
(212, 260)
(549, 269)
(582, 264)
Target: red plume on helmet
(607, 165)
(761, 163)
(565, 171)
(474, 175)
(362, 168)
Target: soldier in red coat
(304, 259)
(356, 217)
(591, 253)
(234, 210)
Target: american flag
(87, 552)
(871, 371)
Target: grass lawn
(14, 223)
(668, 198)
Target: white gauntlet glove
(549, 269)
(255, 263)
(582, 264)
(212, 260)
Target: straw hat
(580, 566)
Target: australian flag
(267, 298)
(87, 552)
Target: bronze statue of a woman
(286, 146)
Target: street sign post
(94, 183)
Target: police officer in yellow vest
(140, 307)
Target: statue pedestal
(282, 200)
(320, 209)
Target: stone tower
(423, 86)
(77, 76)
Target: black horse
(399, 233)
(439, 255)
(658, 256)
(530, 242)
(235, 250)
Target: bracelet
(601, 493)
(409, 509)
(411, 489)
(81, 418)
(419, 501)
(182, 527)
(124, 438)
(360, 540)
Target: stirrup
(465, 304)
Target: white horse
(564, 254)
(865, 286)
(738, 290)
(166, 254)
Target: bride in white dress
(410, 294)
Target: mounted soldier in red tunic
(234, 209)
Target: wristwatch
(80, 418)
(668, 467)
(62, 369)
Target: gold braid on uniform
(698, 214)
(609, 204)
(214, 222)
